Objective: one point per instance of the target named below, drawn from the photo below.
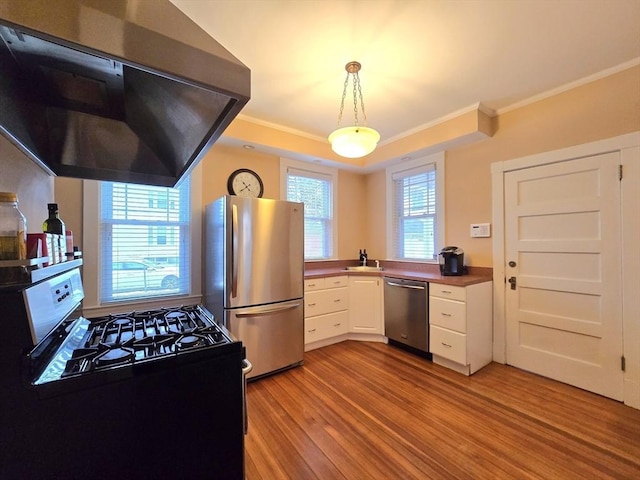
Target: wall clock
(245, 183)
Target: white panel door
(562, 240)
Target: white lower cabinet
(365, 305)
(326, 310)
(461, 326)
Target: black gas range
(144, 394)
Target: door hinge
(623, 363)
(619, 172)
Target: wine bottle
(53, 224)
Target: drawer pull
(448, 292)
(337, 300)
(337, 324)
(445, 314)
(311, 284)
(311, 304)
(446, 345)
(312, 330)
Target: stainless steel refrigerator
(254, 277)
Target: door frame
(629, 147)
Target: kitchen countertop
(409, 271)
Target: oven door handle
(246, 369)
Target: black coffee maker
(451, 261)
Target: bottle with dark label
(54, 224)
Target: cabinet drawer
(336, 282)
(325, 301)
(325, 326)
(313, 284)
(448, 344)
(337, 299)
(448, 314)
(447, 291)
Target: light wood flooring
(360, 410)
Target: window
(315, 187)
(416, 209)
(144, 241)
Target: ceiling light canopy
(357, 140)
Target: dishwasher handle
(415, 287)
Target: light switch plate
(479, 230)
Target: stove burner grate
(121, 339)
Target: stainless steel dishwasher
(406, 314)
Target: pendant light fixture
(358, 140)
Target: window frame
(91, 247)
(287, 165)
(437, 161)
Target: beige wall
(34, 187)
(222, 160)
(598, 110)
(602, 109)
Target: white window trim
(285, 165)
(438, 160)
(91, 305)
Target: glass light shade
(354, 142)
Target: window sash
(315, 190)
(144, 241)
(414, 213)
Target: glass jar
(13, 228)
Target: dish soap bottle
(54, 224)
(13, 228)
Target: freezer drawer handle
(270, 311)
(416, 287)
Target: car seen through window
(131, 275)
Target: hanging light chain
(352, 69)
(344, 94)
(356, 82)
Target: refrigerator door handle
(259, 312)
(234, 251)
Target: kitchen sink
(360, 268)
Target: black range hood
(120, 90)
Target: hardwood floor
(359, 410)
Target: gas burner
(122, 322)
(176, 316)
(192, 341)
(114, 356)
